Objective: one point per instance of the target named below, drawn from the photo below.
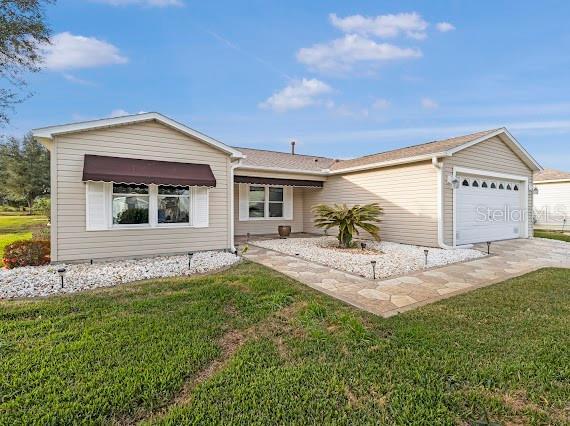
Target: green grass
(553, 235)
(125, 354)
(15, 228)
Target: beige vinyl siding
(407, 193)
(278, 175)
(259, 227)
(492, 155)
(552, 205)
(152, 141)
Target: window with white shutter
(97, 205)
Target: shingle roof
(551, 174)
(284, 160)
(412, 151)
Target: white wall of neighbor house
(492, 155)
(407, 194)
(151, 141)
(552, 205)
(268, 226)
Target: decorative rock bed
(391, 258)
(33, 281)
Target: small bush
(40, 232)
(26, 253)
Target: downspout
(440, 213)
(233, 166)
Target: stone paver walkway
(389, 297)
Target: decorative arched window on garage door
(509, 187)
(516, 188)
(475, 184)
(493, 185)
(465, 182)
(484, 185)
(501, 186)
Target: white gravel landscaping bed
(33, 281)
(391, 258)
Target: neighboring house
(552, 202)
(146, 185)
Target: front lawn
(553, 235)
(251, 346)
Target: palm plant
(348, 220)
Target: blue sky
(341, 78)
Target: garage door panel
(487, 214)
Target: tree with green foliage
(26, 173)
(348, 220)
(23, 33)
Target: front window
(256, 201)
(173, 204)
(130, 204)
(266, 202)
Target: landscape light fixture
(62, 272)
(426, 253)
(373, 263)
(190, 254)
(247, 237)
(488, 247)
(363, 245)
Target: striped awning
(100, 168)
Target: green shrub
(26, 253)
(348, 220)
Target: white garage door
(488, 210)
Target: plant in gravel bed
(348, 220)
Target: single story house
(146, 185)
(552, 202)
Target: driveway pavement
(392, 296)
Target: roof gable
(51, 131)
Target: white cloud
(151, 3)
(444, 27)
(119, 112)
(74, 79)
(299, 94)
(341, 54)
(381, 104)
(428, 103)
(410, 24)
(69, 51)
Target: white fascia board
(502, 131)
(537, 182)
(382, 164)
(51, 131)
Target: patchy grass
(251, 346)
(553, 235)
(15, 224)
(15, 228)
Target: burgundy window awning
(254, 180)
(136, 171)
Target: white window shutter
(288, 202)
(96, 206)
(243, 201)
(200, 207)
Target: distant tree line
(24, 171)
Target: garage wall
(492, 155)
(407, 193)
(553, 197)
(150, 141)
